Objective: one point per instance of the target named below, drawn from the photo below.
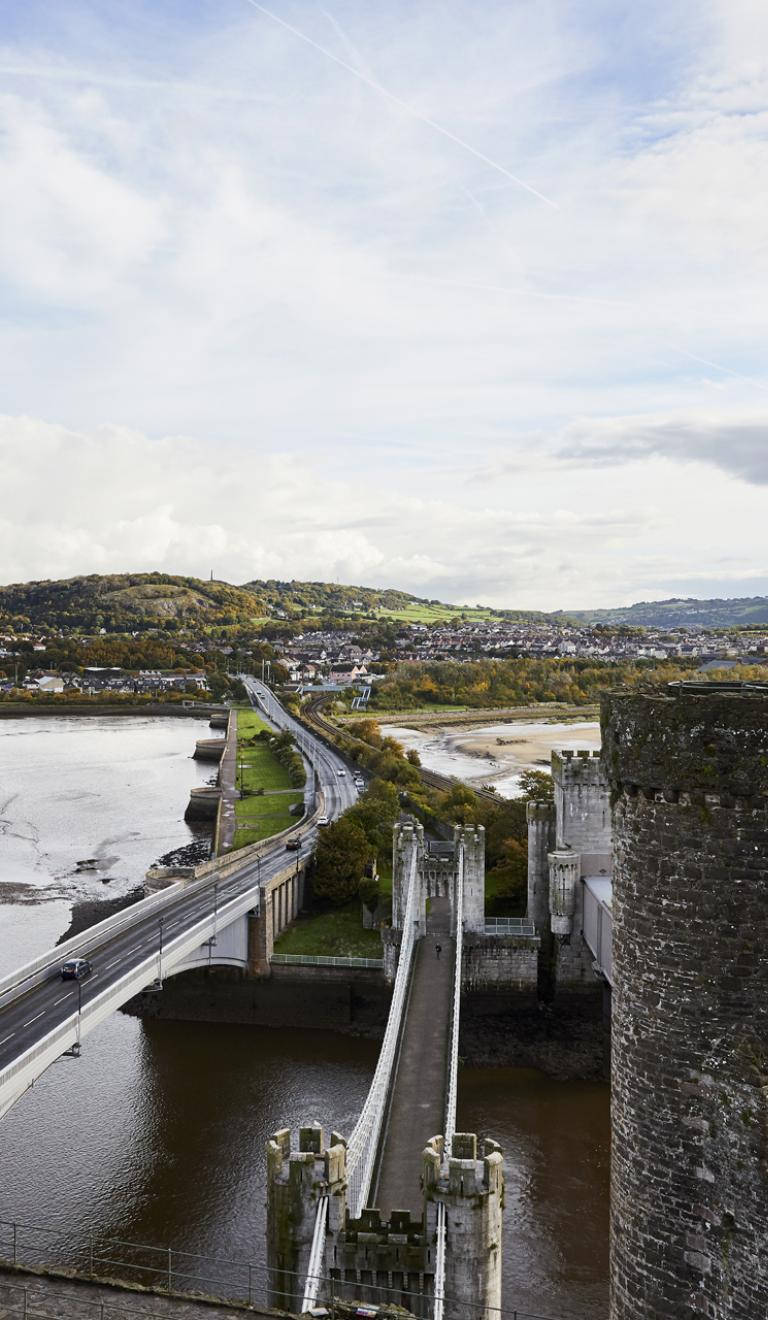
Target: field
(429, 613)
(265, 809)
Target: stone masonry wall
(689, 1208)
(499, 960)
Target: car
(74, 969)
(340, 773)
(293, 845)
(323, 820)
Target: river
(156, 1134)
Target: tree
(537, 786)
(376, 814)
(342, 854)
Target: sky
(468, 300)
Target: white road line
(63, 997)
(34, 1019)
(5, 1038)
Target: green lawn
(260, 815)
(336, 934)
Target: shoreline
(12, 710)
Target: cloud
(738, 446)
(277, 322)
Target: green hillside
(126, 602)
(311, 599)
(739, 612)
(135, 602)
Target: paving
(54, 1297)
(227, 784)
(417, 1111)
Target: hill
(310, 599)
(135, 602)
(127, 602)
(680, 612)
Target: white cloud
(281, 322)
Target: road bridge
(202, 922)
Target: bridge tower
(436, 868)
(689, 1202)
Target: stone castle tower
(689, 1206)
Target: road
(39, 1000)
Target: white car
(340, 773)
(323, 820)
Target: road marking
(2, 1042)
(34, 1019)
(63, 997)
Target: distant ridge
(139, 601)
(680, 612)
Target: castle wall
(499, 961)
(689, 1206)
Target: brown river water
(156, 1134)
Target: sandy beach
(497, 753)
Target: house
(50, 683)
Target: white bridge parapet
(598, 922)
(363, 1145)
(222, 921)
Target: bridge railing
(87, 1015)
(206, 875)
(452, 1086)
(363, 1144)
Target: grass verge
(337, 933)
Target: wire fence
(171, 1271)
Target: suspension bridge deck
(417, 1108)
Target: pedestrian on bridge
(438, 950)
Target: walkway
(59, 1298)
(228, 786)
(417, 1111)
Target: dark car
(293, 845)
(74, 969)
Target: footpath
(417, 1110)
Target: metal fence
(163, 1271)
(320, 960)
(509, 926)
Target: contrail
(403, 105)
(594, 300)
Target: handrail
(363, 1144)
(452, 1087)
(316, 1256)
